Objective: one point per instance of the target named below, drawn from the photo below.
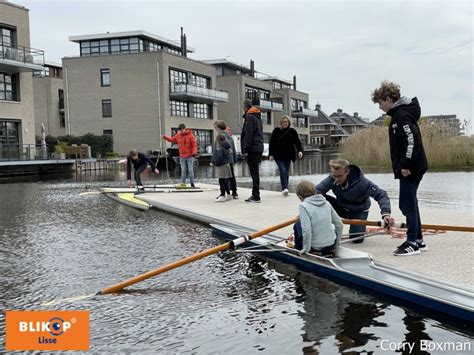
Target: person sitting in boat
(140, 162)
(314, 232)
(187, 151)
(353, 191)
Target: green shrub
(99, 144)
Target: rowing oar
(229, 245)
(404, 225)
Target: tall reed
(370, 147)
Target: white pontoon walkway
(450, 256)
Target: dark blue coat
(355, 196)
(221, 155)
(142, 160)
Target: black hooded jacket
(284, 142)
(406, 147)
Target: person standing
(251, 141)
(187, 152)
(221, 128)
(408, 157)
(285, 145)
(221, 160)
(353, 191)
(140, 162)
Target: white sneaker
(228, 198)
(220, 199)
(285, 192)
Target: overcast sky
(339, 50)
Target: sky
(339, 51)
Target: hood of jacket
(411, 106)
(355, 175)
(315, 200)
(186, 131)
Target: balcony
(20, 59)
(305, 112)
(186, 91)
(268, 105)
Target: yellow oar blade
(195, 257)
(90, 193)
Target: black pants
(224, 185)
(408, 204)
(355, 231)
(138, 179)
(253, 161)
(232, 181)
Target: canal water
(56, 244)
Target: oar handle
(403, 225)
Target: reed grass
(369, 147)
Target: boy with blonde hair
(319, 228)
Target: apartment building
(241, 83)
(295, 105)
(48, 90)
(137, 86)
(17, 62)
(324, 131)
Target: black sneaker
(193, 186)
(422, 246)
(406, 249)
(252, 199)
(235, 196)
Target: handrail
(22, 54)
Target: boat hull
(450, 302)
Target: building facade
(324, 131)
(17, 61)
(48, 90)
(351, 124)
(137, 86)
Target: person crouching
(314, 232)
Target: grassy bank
(369, 147)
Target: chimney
(356, 114)
(252, 68)
(318, 106)
(183, 44)
(294, 82)
(185, 52)
(339, 111)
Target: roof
(323, 118)
(348, 120)
(139, 33)
(276, 78)
(52, 64)
(227, 63)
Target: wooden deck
(450, 255)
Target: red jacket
(186, 143)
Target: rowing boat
(452, 302)
(127, 198)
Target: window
(179, 108)
(61, 99)
(200, 81)
(105, 77)
(266, 118)
(252, 93)
(108, 132)
(106, 108)
(297, 105)
(62, 119)
(8, 90)
(177, 77)
(6, 37)
(202, 110)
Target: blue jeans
(408, 204)
(284, 167)
(187, 169)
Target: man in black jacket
(139, 162)
(408, 157)
(353, 191)
(251, 143)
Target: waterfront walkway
(450, 256)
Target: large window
(177, 77)
(199, 80)
(6, 37)
(182, 77)
(253, 92)
(201, 111)
(8, 87)
(297, 105)
(179, 108)
(106, 108)
(105, 77)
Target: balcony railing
(22, 57)
(305, 112)
(270, 105)
(186, 90)
(23, 152)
